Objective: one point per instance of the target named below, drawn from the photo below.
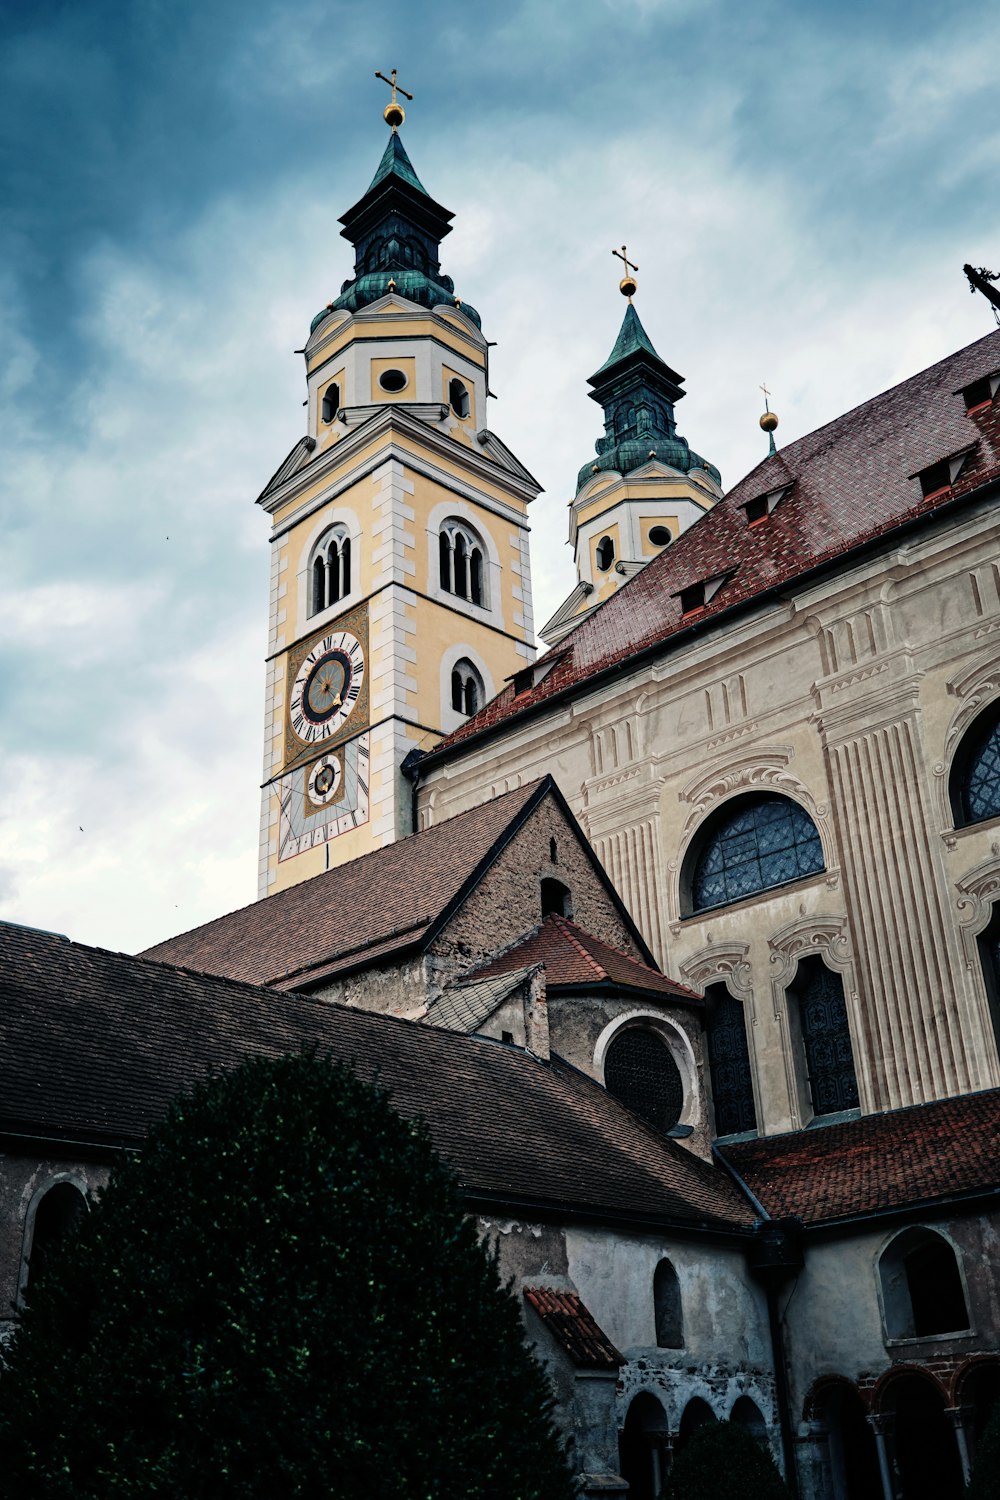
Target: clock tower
(400, 595)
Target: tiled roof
(93, 1045)
(465, 1006)
(572, 1325)
(359, 912)
(906, 1156)
(852, 482)
(574, 958)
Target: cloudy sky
(799, 182)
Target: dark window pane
(752, 846)
(981, 786)
(640, 1071)
(826, 1038)
(729, 1064)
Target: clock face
(327, 686)
(321, 801)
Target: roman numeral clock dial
(324, 791)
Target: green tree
(984, 1483)
(279, 1297)
(723, 1461)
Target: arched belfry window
(667, 1307)
(729, 1063)
(639, 1069)
(752, 843)
(458, 398)
(923, 1294)
(461, 561)
(818, 994)
(468, 693)
(605, 553)
(331, 401)
(331, 571)
(58, 1212)
(975, 771)
(556, 898)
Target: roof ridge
(565, 926)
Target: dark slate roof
(632, 339)
(574, 958)
(918, 1155)
(378, 905)
(852, 482)
(93, 1045)
(573, 1326)
(395, 161)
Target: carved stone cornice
(978, 893)
(823, 933)
(761, 765)
(721, 961)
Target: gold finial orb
(769, 421)
(394, 114)
(628, 286)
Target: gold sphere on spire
(628, 286)
(394, 114)
(769, 421)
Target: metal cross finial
(394, 113)
(630, 265)
(766, 394)
(627, 285)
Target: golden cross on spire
(394, 114)
(766, 394)
(628, 284)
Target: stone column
(881, 1424)
(959, 1416)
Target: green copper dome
(396, 230)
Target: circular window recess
(660, 536)
(392, 380)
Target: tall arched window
(640, 1071)
(467, 691)
(56, 1215)
(331, 401)
(975, 771)
(667, 1307)
(605, 553)
(922, 1290)
(331, 571)
(461, 561)
(729, 1063)
(753, 843)
(826, 1038)
(458, 398)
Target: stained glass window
(826, 1038)
(753, 844)
(729, 1064)
(979, 790)
(640, 1071)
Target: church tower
(400, 589)
(645, 486)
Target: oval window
(660, 536)
(392, 380)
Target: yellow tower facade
(400, 593)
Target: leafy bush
(280, 1297)
(723, 1461)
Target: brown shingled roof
(880, 1162)
(574, 1327)
(93, 1045)
(852, 482)
(359, 912)
(574, 958)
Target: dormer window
(937, 478)
(331, 402)
(980, 393)
(458, 398)
(605, 553)
(696, 596)
(523, 680)
(760, 507)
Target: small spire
(394, 114)
(628, 284)
(768, 422)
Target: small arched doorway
(695, 1415)
(854, 1466)
(57, 1214)
(643, 1448)
(924, 1449)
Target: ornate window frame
(824, 936)
(727, 963)
(976, 689)
(676, 1040)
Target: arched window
(667, 1307)
(605, 553)
(975, 771)
(460, 556)
(331, 571)
(458, 398)
(56, 1215)
(331, 401)
(922, 1290)
(556, 898)
(729, 1063)
(818, 994)
(644, 1448)
(640, 1071)
(753, 843)
(468, 693)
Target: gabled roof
(879, 1163)
(575, 959)
(574, 1327)
(387, 901)
(852, 486)
(93, 1046)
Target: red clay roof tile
(573, 1326)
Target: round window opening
(392, 380)
(660, 536)
(640, 1071)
